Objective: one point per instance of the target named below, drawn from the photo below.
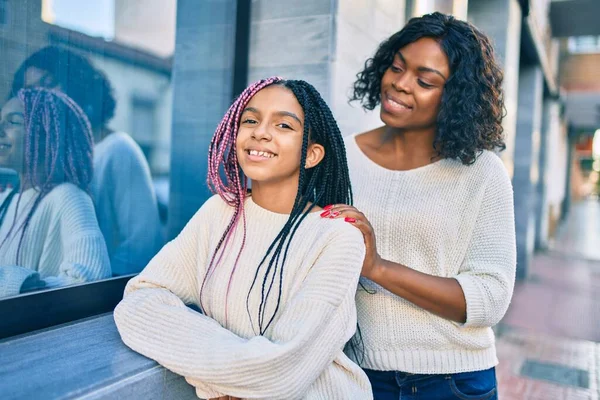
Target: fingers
(342, 210)
(350, 215)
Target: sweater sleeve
(305, 338)
(170, 281)
(136, 209)
(85, 258)
(487, 274)
(13, 278)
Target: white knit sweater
(444, 219)
(61, 246)
(301, 354)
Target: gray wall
(501, 21)
(292, 39)
(202, 92)
(526, 162)
(360, 25)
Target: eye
(284, 125)
(16, 121)
(425, 85)
(249, 121)
(395, 68)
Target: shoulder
(491, 163)
(68, 199)
(490, 167)
(118, 145)
(214, 208)
(66, 192)
(339, 234)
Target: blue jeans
(393, 385)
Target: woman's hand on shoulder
(353, 216)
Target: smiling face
(412, 87)
(269, 140)
(12, 135)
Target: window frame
(33, 311)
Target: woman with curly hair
(435, 206)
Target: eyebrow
(284, 113)
(422, 69)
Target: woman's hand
(353, 216)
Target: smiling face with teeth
(269, 139)
(12, 135)
(412, 87)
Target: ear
(314, 155)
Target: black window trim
(38, 310)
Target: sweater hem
(430, 361)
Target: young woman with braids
(274, 282)
(435, 207)
(49, 235)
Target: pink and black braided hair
(58, 146)
(326, 183)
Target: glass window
(85, 130)
(584, 44)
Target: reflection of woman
(274, 281)
(49, 235)
(435, 207)
(121, 188)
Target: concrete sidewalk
(549, 341)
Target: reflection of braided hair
(57, 145)
(326, 183)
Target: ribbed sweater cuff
(12, 278)
(476, 313)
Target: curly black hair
(472, 107)
(79, 79)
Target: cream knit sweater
(301, 354)
(61, 246)
(443, 219)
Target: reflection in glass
(122, 190)
(49, 236)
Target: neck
(276, 197)
(413, 146)
(23, 184)
(100, 133)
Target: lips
(261, 153)
(394, 104)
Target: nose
(2, 128)
(261, 132)
(402, 82)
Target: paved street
(549, 341)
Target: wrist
(377, 271)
